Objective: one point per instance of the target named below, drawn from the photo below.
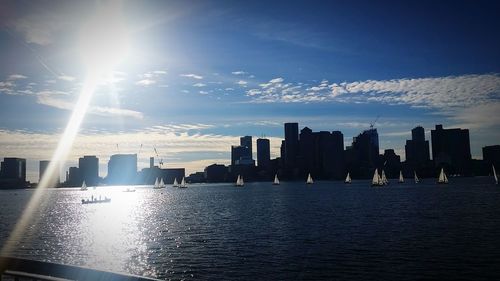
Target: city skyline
(200, 75)
(322, 153)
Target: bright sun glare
(103, 44)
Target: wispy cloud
(16, 77)
(66, 78)
(199, 85)
(191, 75)
(53, 99)
(145, 82)
(242, 83)
(239, 72)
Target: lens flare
(103, 45)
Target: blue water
(293, 231)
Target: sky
(197, 75)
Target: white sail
(276, 180)
(156, 185)
(495, 174)
(183, 183)
(241, 181)
(309, 179)
(377, 180)
(84, 186)
(442, 177)
(384, 178)
(162, 184)
(348, 178)
(176, 184)
(416, 178)
(401, 179)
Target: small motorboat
(95, 200)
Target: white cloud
(160, 72)
(145, 82)
(242, 83)
(16, 77)
(199, 85)
(191, 75)
(239, 72)
(52, 98)
(66, 78)
(37, 28)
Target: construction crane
(373, 123)
(157, 156)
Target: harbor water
(327, 230)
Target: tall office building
(491, 156)
(417, 149)
(247, 142)
(89, 169)
(263, 152)
(55, 180)
(13, 169)
(122, 169)
(366, 146)
(291, 144)
(321, 153)
(451, 149)
(239, 154)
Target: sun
(103, 45)
(104, 39)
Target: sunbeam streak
(103, 44)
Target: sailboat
(175, 184)
(157, 184)
(162, 184)
(384, 178)
(401, 179)
(309, 179)
(377, 180)
(416, 178)
(495, 174)
(183, 183)
(442, 177)
(239, 181)
(348, 178)
(276, 180)
(84, 186)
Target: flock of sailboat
(379, 179)
(161, 183)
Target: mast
(495, 174)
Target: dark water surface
(325, 231)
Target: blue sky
(200, 74)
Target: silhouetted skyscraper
(417, 149)
(451, 149)
(122, 169)
(13, 169)
(321, 153)
(89, 169)
(367, 148)
(263, 152)
(247, 141)
(55, 180)
(291, 144)
(491, 155)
